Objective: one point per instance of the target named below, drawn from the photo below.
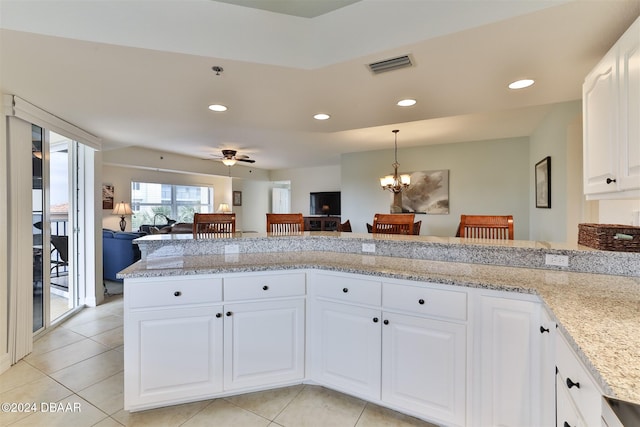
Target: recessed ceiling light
(521, 84)
(406, 102)
(321, 116)
(217, 107)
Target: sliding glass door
(54, 283)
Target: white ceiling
(138, 73)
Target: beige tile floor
(74, 377)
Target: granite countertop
(599, 312)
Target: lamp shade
(224, 208)
(122, 208)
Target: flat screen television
(325, 203)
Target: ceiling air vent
(390, 64)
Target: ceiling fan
(230, 157)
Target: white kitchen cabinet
(629, 112)
(611, 121)
(508, 362)
(173, 341)
(424, 366)
(578, 393)
(345, 346)
(345, 336)
(263, 343)
(179, 355)
(183, 342)
(548, 331)
(415, 362)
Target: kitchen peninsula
(595, 302)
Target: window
(153, 203)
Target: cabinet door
(568, 414)
(629, 111)
(345, 348)
(600, 127)
(509, 363)
(548, 369)
(263, 343)
(424, 366)
(172, 355)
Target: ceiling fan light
(229, 162)
(521, 84)
(321, 116)
(217, 107)
(406, 103)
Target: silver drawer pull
(177, 293)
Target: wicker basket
(603, 236)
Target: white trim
(18, 107)
(5, 359)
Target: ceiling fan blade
(245, 160)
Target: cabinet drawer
(264, 286)
(586, 396)
(349, 289)
(173, 292)
(425, 301)
(567, 414)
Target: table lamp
(122, 209)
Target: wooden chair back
(393, 223)
(285, 223)
(345, 227)
(486, 227)
(212, 225)
(416, 227)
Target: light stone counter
(599, 312)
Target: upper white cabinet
(611, 114)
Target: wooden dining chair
(285, 223)
(393, 223)
(486, 227)
(212, 225)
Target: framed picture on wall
(543, 183)
(107, 196)
(237, 198)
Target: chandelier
(395, 183)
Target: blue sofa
(118, 252)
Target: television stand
(321, 223)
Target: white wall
(554, 137)
(121, 178)
(122, 166)
(308, 180)
(626, 212)
(256, 202)
(485, 177)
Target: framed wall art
(107, 196)
(237, 198)
(428, 193)
(543, 183)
